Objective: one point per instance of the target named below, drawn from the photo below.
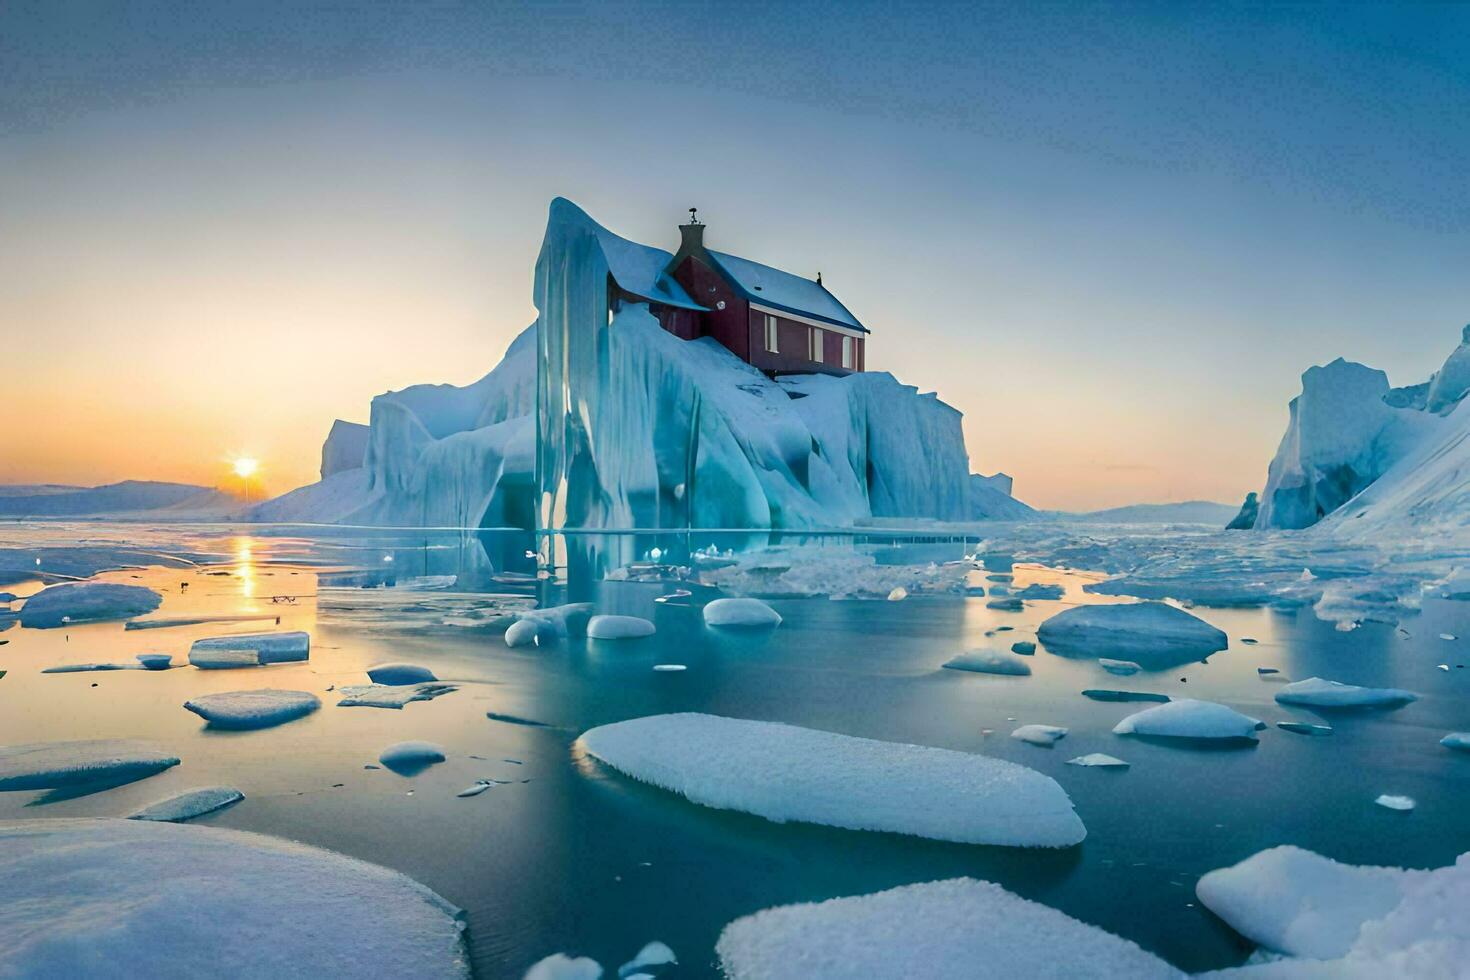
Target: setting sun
(245, 467)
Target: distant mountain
(128, 497)
(1185, 512)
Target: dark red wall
(708, 288)
(794, 341)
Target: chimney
(693, 233)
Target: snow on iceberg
(618, 628)
(241, 710)
(990, 662)
(250, 650)
(86, 602)
(782, 772)
(85, 897)
(1314, 692)
(959, 929)
(411, 758)
(190, 804)
(740, 612)
(51, 765)
(1154, 632)
(396, 673)
(1189, 719)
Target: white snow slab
(782, 772)
(250, 650)
(396, 674)
(409, 757)
(1039, 734)
(1122, 668)
(1457, 740)
(1189, 719)
(740, 612)
(618, 627)
(960, 929)
(1314, 692)
(96, 897)
(390, 695)
(1099, 760)
(49, 765)
(649, 959)
(86, 602)
(560, 966)
(990, 662)
(1133, 628)
(253, 709)
(191, 804)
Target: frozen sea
(565, 854)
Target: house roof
(784, 291)
(640, 270)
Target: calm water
(572, 856)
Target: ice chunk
(155, 661)
(187, 806)
(86, 602)
(783, 773)
(94, 897)
(250, 650)
(49, 765)
(84, 668)
(1152, 630)
(391, 695)
(1039, 734)
(411, 758)
(569, 619)
(649, 959)
(618, 627)
(1006, 604)
(525, 632)
(669, 668)
(1457, 740)
(990, 662)
(560, 966)
(253, 709)
(474, 790)
(959, 929)
(1102, 694)
(1189, 719)
(397, 674)
(1024, 647)
(1040, 590)
(1318, 693)
(1395, 802)
(1302, 728)
(898, 594)
(1123, 668)
(740, 612)
(1099, 760)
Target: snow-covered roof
(639, 269)
(784, 291)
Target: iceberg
(411, 758)
(1040, 590)
(53, 765)
(191, 804)
(1100, 760)
(651, 959)
(1122, 668)
(1457, 740)
(396, 673)
(740, 612)
(1154, 632)
(560, 966)
(1024, 647)
(784, 773)
(1314, 692)
(250, 650)
(990, 662)
(1393, 802)
(1039, 734)
(243, 710)
(90, 897)
(959, 929)
(1189, 719)
(391, 695)
(618, 628)
(527, 632)
(86, 602)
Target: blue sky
(1114, 236)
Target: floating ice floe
(1039, 734)
(1122, 668)
(1315, 692)
(526, 632)
(1153, 630)
(898, 594)
(1006, 604)
(1189, 719)
(560, 966)
(51, 765)
(669, 668)
(1100, 760)
(999, 590)
(1024, 647)
(1039, 590)
(551, 623)
(86, 602)
(410, 758)
(740, 612)
(1393, 802)
(155, 661)
(813, 570)
(1103, 694)
(398, 674)
(652, 958)
(618, 627)
(242, 710)
(191, 804)
(474, 790)
(786, 773)
(1303, 728)
(152, 899)
(1457, 740)
(88, 668)
(990, 662)
(168, 622)
(250, 650)
(959, 929)
(390, 695)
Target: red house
(770, 319)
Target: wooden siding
(708, 288)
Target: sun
(245, 467)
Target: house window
(771, 344)
(847, 352)
(816, 345)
